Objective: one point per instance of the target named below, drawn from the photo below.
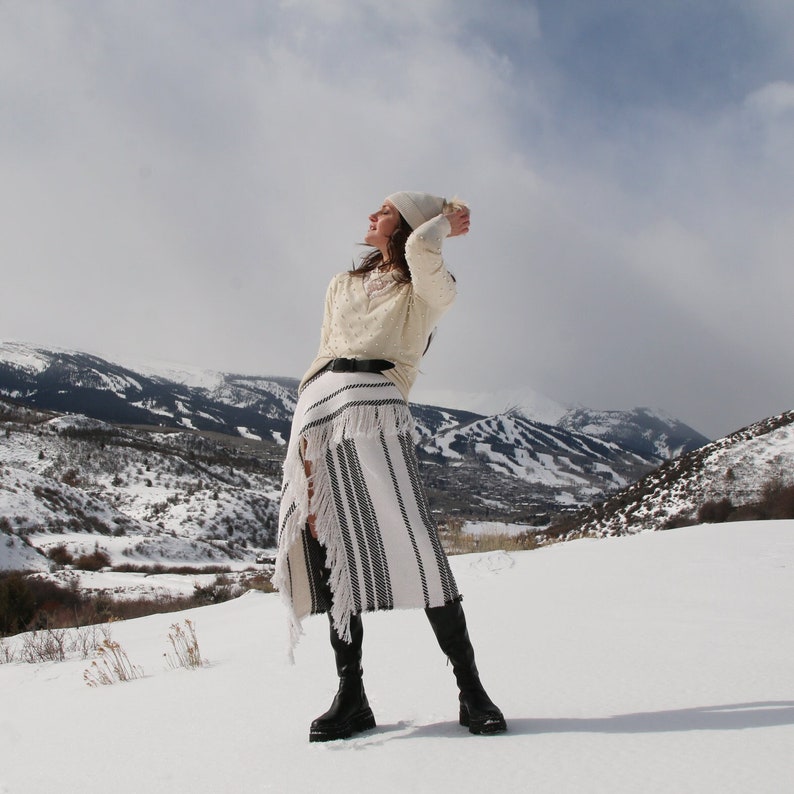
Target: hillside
(147, 495)
(735, 471)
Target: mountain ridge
(506, 466)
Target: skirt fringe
(371, 513)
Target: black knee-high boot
(477, 711)
(350, 711)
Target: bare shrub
(778, 500)
(129, 567)
(60, 555)
(47, 645)
(678, 521)
(714, 512)
(17, 602)
(29, 601)
(259, 581)
(86, 640)
(54, 644)
(749, 512)
(127, 609)
(94, 561)
(785, 505)
(222, 589)
(71, 477)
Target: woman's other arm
(431, 280)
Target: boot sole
(483, 726)
(363, 721)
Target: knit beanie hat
(416, 208)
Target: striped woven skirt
(371, 513)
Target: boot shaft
(350, 711)
(348, 654)
(449, 626)
(477, 711)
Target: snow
(486, 528)
(125, 585)
(25, 357)
(77, 422)
(194, 377)
(443, 442)
(246, 433)
(117, 385)
(17, 556)
(658, 662)
(152, 407)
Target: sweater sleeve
(323, 354)
(431, 280)
(325, 331)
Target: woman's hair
(396, 250)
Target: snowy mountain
(649, 432)
(736, 471)
(510, 466)
(73, 382)
(642, 430)
(522, 470)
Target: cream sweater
(396, 324)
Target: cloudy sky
(179, 181)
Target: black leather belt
(357, 365)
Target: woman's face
(382, 225)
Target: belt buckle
(344, 365)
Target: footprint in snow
(492, 562)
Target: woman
(355, 532)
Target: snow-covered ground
(487, 528)
(658, 662)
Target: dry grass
(184, 647)
(112, 665)
(455, 541)
(259, 581)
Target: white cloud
(182, 179)
(773, 99)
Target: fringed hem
(369, 422)
(315, 429)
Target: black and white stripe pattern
(371, 511)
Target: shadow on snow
(730, 717)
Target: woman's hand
(459, 222)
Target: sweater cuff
(433, 232)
